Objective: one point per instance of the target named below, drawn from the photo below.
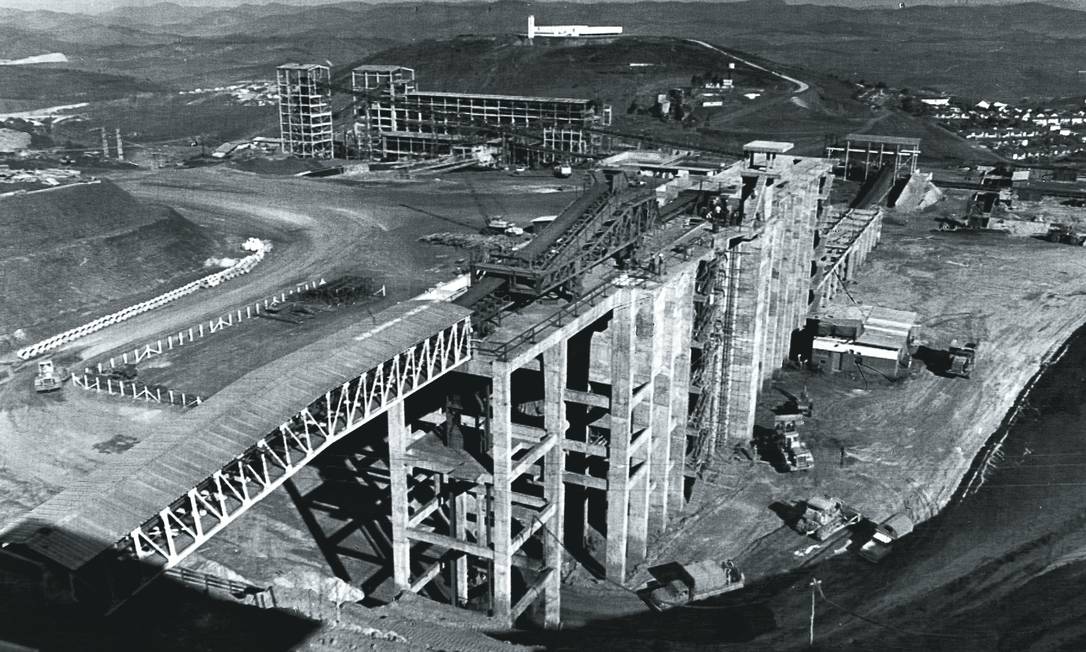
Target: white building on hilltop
(569, 31)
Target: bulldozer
(960, 359)
(50, 378)
(1065, 234)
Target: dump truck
(788, 446)
(824, 517)
(960, 359)
(797, 456)
(688, 583)
(50, 378)
(886, 533)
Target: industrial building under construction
(393, 119)
(564, 402)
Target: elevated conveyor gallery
(118, 529)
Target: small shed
(864, 338)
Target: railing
(91, 381)
(202, 329)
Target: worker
(660, 263)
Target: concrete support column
(679, 396)
(555, 364)
(397, 470)
(501, 434)
(663, 418)
(647, 305)
(745, 346)
(618, 473)
(459, 521)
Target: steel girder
(606, 230)
(180, 528)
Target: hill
(49, 86)
(74, 249)
(498, 64)
(1004, 51)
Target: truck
(884, 536)
(797, 456)
(960, 359)
(824, 517)
(563, 171)
(686, 583)
(786, 444)
(50, 378)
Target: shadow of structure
(934, 360)
(45, 608)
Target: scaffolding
(396, 120)
(903, 153)
(305, 110)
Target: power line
(872, 621)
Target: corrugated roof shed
(887, 328)
(82, 521)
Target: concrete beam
(582, 480)
(445, 541)
(588, 398)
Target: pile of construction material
(474, 241)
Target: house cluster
(1018, 133)
(245, 93)
(15, 181)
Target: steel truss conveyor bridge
(609, 220)
(125, 525)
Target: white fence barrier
(243, 266)
(202, 329)
(91, 381)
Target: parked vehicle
(886, 533)
(693, 582)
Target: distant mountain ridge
(998, 50)
(99, 7)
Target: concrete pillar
(397, 470)
(555, 363)
(745, 347)
(647, 305)
(459, 566)
(501, 435)
(618, 472)
(663, 418)
(679, 397)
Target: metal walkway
(179, 487)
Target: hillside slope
(70, 251)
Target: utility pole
(816, 585)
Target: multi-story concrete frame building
(305, 109)
(396, 120)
